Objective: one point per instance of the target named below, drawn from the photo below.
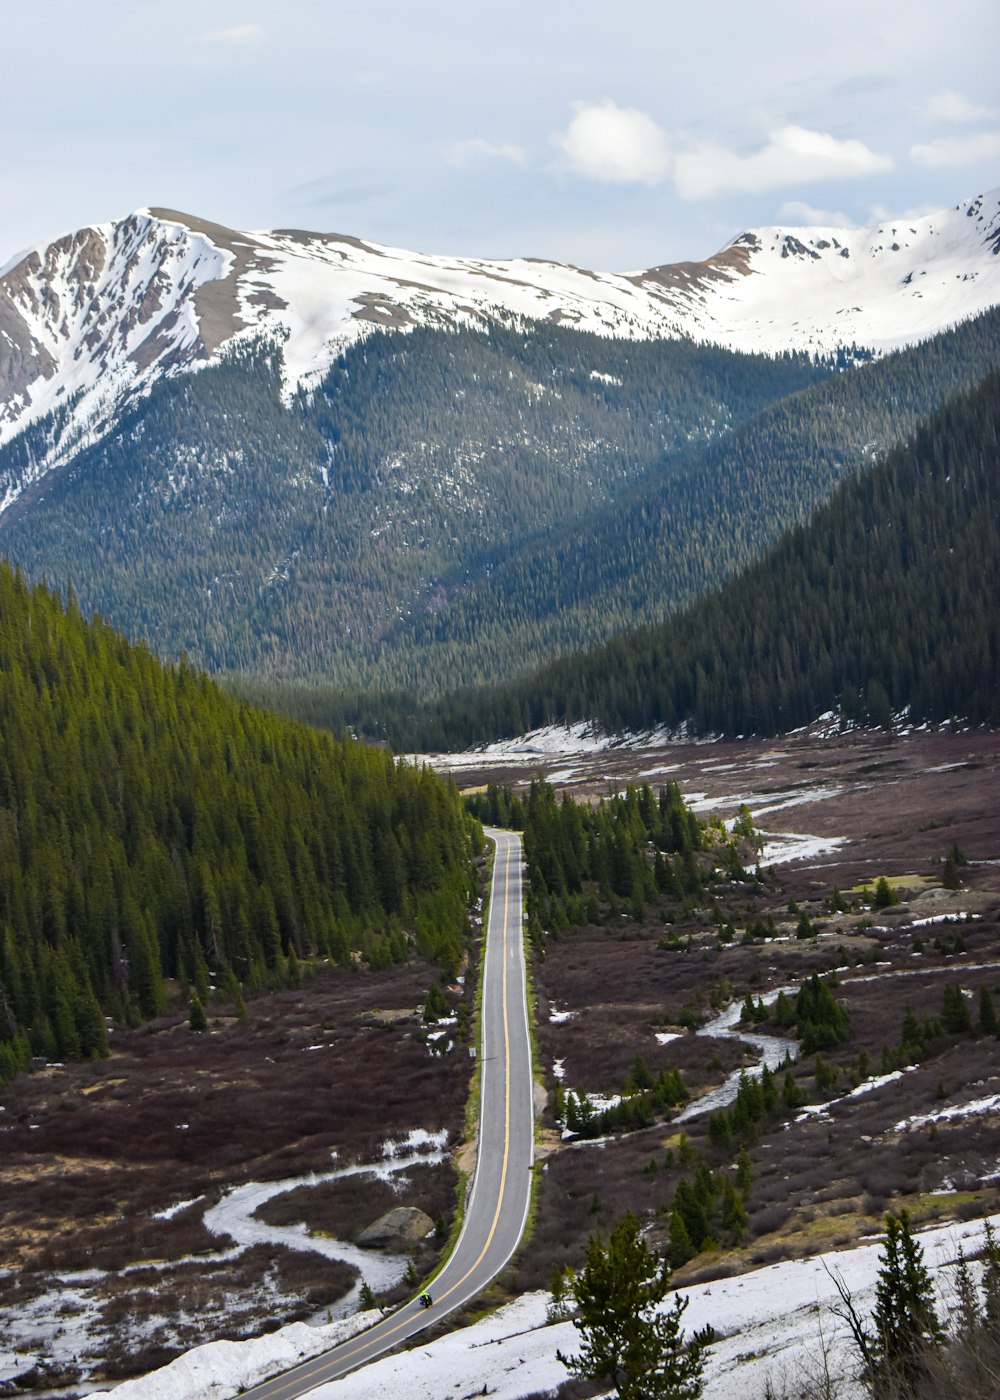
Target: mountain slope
(151, 827)
(684, 528)
(91, 321)
(889, 598)
(309, 540)
(455, 507)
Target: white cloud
(879, 213)
(949, 106)
(240, 34)
(804, 215)
(793, 155)
(957, 150)
(617, 144)
(464, 153)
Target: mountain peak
(98, 315)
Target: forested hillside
(152, 827)
(456, 507)
(684, 528)
(695, 520)
(322, 539)
(888, 599)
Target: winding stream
(773, 1051)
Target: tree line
(631, 852)
(886, 601)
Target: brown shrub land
(898, 804)
(92, 1152)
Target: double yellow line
(349, 1349)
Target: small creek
(773, 1050)
(63, 1323)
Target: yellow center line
(347, 1351)
(506, 1127)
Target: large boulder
(405, 1225)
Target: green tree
(627, 1338)
(956, 1019)
(907, 1327)
(885, 895)
(197, 1020)
(950, 878)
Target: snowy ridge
(896, 283)
(92, 320)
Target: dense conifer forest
(326, 536)
(451, 508)
(153, 828)
(887, 600)
(638, 851)
(696, 519)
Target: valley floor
(836, 814)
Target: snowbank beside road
(774, 1322)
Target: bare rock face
(405, 1225)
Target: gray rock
(396, 1229)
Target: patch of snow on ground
(562, 775)
(773, 1322)
(867, 1086)
(946, 971)
(552, 741)
(173, 1210)
(219, 1370)
(961, 1110)
(958, 917)
(416, 1140)
(782, 847)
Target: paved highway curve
(498, 1207)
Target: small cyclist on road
(425, 1299)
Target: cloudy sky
(610, 133)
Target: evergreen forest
(452, 508)
(886, 601)
(638, 851)
(154, 828)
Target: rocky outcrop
(405, 1225)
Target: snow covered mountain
(95, 318)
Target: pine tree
(197, 1019)
(626, 1338)
(907, 1327)
(956, 1018)
(885, 895)
(950, 878)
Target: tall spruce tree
(907, 1327)
(628, 1337)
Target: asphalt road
(498, 1206)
